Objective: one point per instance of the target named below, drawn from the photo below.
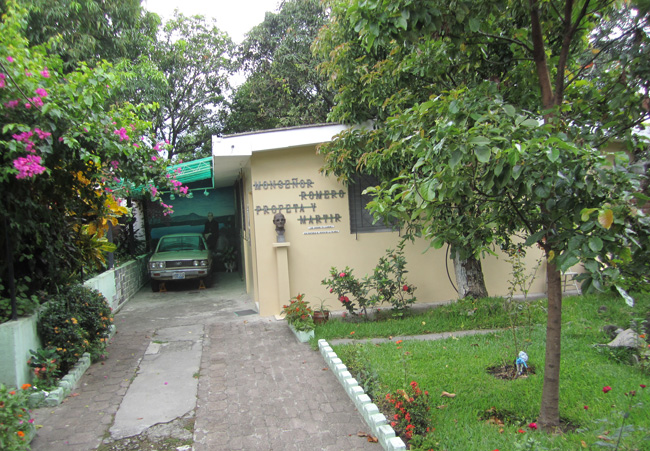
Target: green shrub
(77, 320)
(16, 425)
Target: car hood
(179, 255)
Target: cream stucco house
(277, 171)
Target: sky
(235, 17)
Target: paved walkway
(254, 386)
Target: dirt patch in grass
(509, 372)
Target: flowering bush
(76, 321)
(409, 414)
(16, 425)
(386, 284)
(389, 280)
(299, 314)
(45, 364)
(350, 291)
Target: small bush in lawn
(409, 414)
(77, 320)
(16, 425)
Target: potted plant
(322, 315)
(298, 314)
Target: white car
(180, 256)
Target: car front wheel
(155, 286)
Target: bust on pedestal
(279, 221)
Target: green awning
(193, 171)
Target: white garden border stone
(376, 421)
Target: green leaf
(438, 242)
(509, 110)
(482, 154)
(530, 123)
(474, 24)
(455, 158)
(534, 238)
(586, 212)
(595, 244)
(553, 154)
(479, 141)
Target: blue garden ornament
(521, 362)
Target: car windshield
(181, 243)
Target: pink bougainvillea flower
(37, 101)
(41, 92)
(12, 104)
(45, 73)
(183, 189)
(154, 158)
(10, 59)
(23, 137)
(136, 145)
(28, 166)
(157, 147)
(2, 81)
(41, 134)
(606, 388)
(28, 105)
(533, 425)
(122, 134)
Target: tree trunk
(469, 278)
(549, 415)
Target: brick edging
(376, 421)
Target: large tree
(507, 116)
(194, 58)
(283, 86)
(90, 30)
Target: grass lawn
(488, 413)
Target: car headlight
(157, 265)
(200, 263)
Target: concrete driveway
(199, 369)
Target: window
(361, 220)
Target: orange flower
(26, 386)
(352, 333)
(20, 433)
(398, 342)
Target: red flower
(606, 388)
(642, 385)
(533, 425)
(342, 274)
(586, 407)
(521, 431)
(405, 288)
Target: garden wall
(122, 283)
(18, 337)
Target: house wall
(288, 181)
